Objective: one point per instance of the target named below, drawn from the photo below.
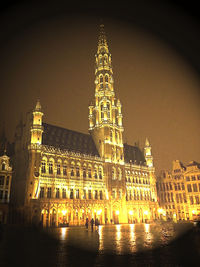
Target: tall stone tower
(105, 117)
(35, 153)
(105, 126)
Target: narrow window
(77, 171)
(58, 169)
(84, 172)
(57, 193)
(71, 194)
(65, 170)
(41, 192)
(96, 194)
(50, 168)
(84, 194)
(100, 194)
(64, 193)
(89, 173)
(100, 173)
(195, 188)
(89, 194)
(43, 167)
(189, 188)
(77, 193)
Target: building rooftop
(83, 143)
(67, 139)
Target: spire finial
(146, 142)
(38, 105)
(102, 38)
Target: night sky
(47, 51)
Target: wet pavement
(158, 244)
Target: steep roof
(133, 154)
(83, 143)
(67, 139)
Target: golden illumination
(64, 212)
(99, 212)
(62, 173)
(63, 233)
(131, 212)
(194, 211)
(160, 210)
(146, 212)
(146, 226)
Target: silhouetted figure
(86, 223)
(92, 224)
(96, 222)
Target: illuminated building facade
(179, 191)
(5, 185)
(70, 176)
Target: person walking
(96, 222)
(86, 223)
(92, 224)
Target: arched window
(78, 170)
(100, 173)
(89, 171)
(106, 78)
(72, 169)
(59, 163)
(84, 171)
(101, 79)
(51, 166)
(43, 166)
(58, 169)
(65, 168)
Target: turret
(37, 128)
(148, 154)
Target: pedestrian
(86, 223)
(96, 222)
(92, 224)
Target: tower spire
(105, 117)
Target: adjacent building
(179, 192)
(5, 185)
